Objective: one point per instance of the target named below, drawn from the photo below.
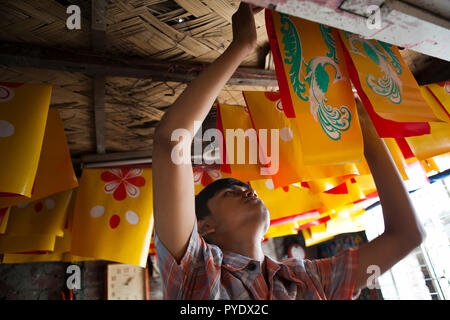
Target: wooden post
(98, 37)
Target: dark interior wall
(46, 281)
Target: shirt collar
(237, 262)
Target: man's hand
(244, 29)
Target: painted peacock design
(333, 120)
(389, 85)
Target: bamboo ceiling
(191, 31)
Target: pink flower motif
(206, 176)
(121, 182)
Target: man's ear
(205, 226)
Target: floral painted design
(123, 182)
(206, 176)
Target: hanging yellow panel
(285, 202)
(386, 80)
(366, 183)
(4, 216)
(429, 165)
(333, 201)
(434, 104)
(281, 230)
(23, 114)
(27, 243)
(55, 172)
(322, 185)
(441, 91)
(319, 90)
(41, 219)
(62, 245)
(433, 144)
(340, 223)
(113, 215)
(397, 156)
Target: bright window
(425, 273)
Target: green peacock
(389, 85)
(333, 120)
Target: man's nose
(249, 192)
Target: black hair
(201, 200)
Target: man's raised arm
(173, 184)
(403, 231)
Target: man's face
(237, 208)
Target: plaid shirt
(207, 272)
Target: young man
(209, 247)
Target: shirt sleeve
(337, 275)
(186, 280)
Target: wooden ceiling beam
(98, 45)
(102, 64)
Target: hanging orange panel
(23, 114)
(386, 80)
(386, 128)
(243, 157)
(267, 114)
(113, 215)
(318, 89)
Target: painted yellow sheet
(55, 172)
(5, 218)
(242, 151)
(387, 80)
(285, 202)
(42, 219)
(266, 114)
(320, 91)
(433, 144)
(442, 92)
(113, 215)
(23, 115)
